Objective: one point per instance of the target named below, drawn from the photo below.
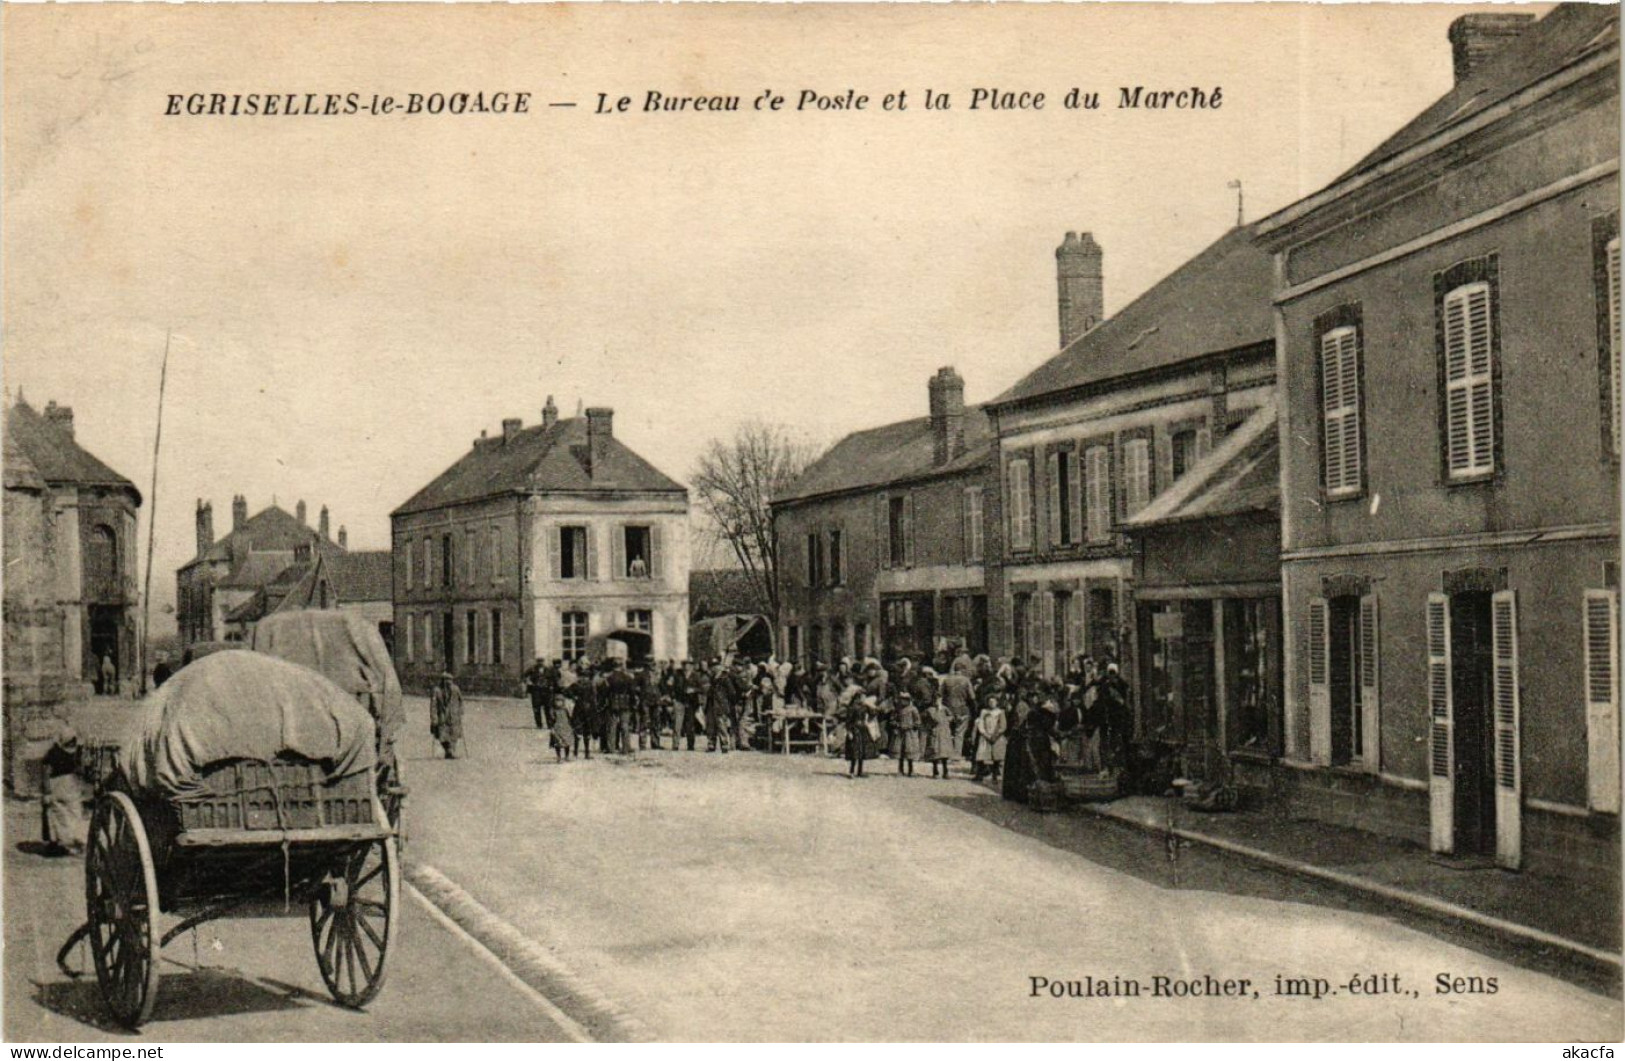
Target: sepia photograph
(847, 522)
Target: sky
(349, 301)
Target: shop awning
(1240, 475)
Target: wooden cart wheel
(353, 918)
(121, 908)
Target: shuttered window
(411, 636)
(1506, 693)
(1340, 409)
(1136, 475)
(411, 562)
(974, 542)
(1098, 492)
(1441, 718)
(1320, 698)
(1021, 504)
(1469, 382)
(1614, 353)
(1054, 507)
(1601, 631)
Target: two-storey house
(881, 542)
(1449, 441)
(1085, 444)
(542, 542)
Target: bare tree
(736, 480)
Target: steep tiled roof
(1217, 301)
(888, 454)
(1241, 474)
(538, 459)
(1566, 34)
(56, 457)
(258, 568)
(270, 530)
(363, 576)
(20, 472)
(723, 591)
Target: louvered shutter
(1080, 620)
(841, 581)
(1340, 411)
(411, 562)
(1441, 727)
(1320, 686)
(1601, 619)
(1099, 488)
(1508, 751)
(964, 525)
(592, 553)
(1162, 468)
(1370, 672)
(1469, 400)
(908, 530)
(617, 551)
(555, 553)
(882, 533)
(1052, 499)
(1204, 441)
(656, 551)
(1075, 487)
(1614, 338)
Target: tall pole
(152, 518)
(1241, 213)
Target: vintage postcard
(713, 522)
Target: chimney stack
(600, 429)
(510, 428)
(1476, 38)
(60, 415)
(947, 392)
(299, 512)
(550, 414)
(1080, 285)
(323, 525)
(205, 525)
(344, 537)
(239, 511)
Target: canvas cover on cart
(346, 648)
(244, 705)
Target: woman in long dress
(905, 734)
(990, 739)
(859, 744)
(562, 735)
(940, 742)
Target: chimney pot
(1080, 285)
(1476, 38)
(323, 526)
(205, 526)
(510, 428)
(947, 395)
(61, 415)
(344, 537)
(600, 429)
(239, 511)
(299, 511)
(550, 414)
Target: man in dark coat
(541, 693)
(696, 698)
(719, 711)
(625, 700)
(446, 714)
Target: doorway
(1472, 689)
(106, 637)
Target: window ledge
(1252, 755)
(1338, 499)
(1482, 479)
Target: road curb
(1427, 903)
(528, 961)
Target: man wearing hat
(446, 714)
(62, 802)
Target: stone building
(1086, 443)
(882, 540)
(361, 582)
(542, 542)
(71, 589)
(215, 590)
(1449, 312)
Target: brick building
(882, 540)
(1450, 454)
(542, 542)
(71, 592)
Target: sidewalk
(1546, 910)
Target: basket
(277, 795)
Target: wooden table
(809, 720)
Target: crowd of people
(1013, 725)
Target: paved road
(756, 897)
(257, 982)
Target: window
(638, 551)
(1601, 632)
(448, 567)
(471, 637)
(428, 563)
(1063, 491)
(1061, 627)
(837, 572)
(411, 562)
(1020, 490)
(1097, 492)
(411, 634)
(1469, 382)
(1613, 335)
(792, 641)
(1343, 650)
(974, 543)
(101, 576)
(573, 635)
(1605, 248)
(860, 639)
(428, 639)
(1136, 475)
(472, 551)
(570, 560)
(1183, 447)
(897, 530)
(640, 619)
(1340, 410)
(496, 637)
(815, 560)
(1020, 609)
(837, 639)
